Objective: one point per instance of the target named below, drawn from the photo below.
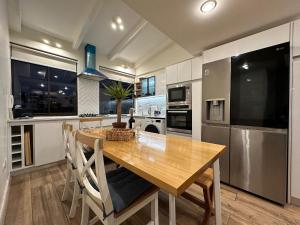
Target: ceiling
(183, 22)
(89, 21)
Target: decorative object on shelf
(117, 91)
(117, 134)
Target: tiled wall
(88, 96)
(145, 106)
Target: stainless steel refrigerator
(246, 107)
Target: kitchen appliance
(246, 107)
(90, 71)
(216, 109)
(154, 125)
(179, 94)
(179, 121)
(259, 119)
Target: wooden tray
(119, 134)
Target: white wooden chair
(72, 173)
(109, 195)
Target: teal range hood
(90, 71)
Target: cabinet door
(197, 68)
(296, 38)
(196, 113)
(151, 86)
(48, 142)
(160, 83)
(295, 131)
(144, 85)
(185, 71)
(172, 74)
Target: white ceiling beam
(127, 39)
(14, 15)
(155, 51)
(87, 20)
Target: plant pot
(119, 125)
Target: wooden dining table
(172, 163)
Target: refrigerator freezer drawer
(258, 162)
(219, 135)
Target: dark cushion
(125, 187)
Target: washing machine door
(151, 128)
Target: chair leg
(154, 210)
(66, 191)
(208, 202)
(75, 199)
(85, 210)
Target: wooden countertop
(170, 162)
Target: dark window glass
(108, 104)
(260, 88)
(62, 91)
(148, 86)
(35, 89)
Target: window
(108, 104)
(43, 91)
(148, 86)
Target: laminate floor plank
(19, 209)
(35, 200)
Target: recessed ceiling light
(113, 25)
(58, 45)
(46, 41)
(119, 20)
(121, 26)
(208, 6)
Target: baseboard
(3, 204)
(295, 201)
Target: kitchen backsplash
(147, 106)
(88, 96)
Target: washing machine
(154, 125)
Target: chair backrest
(86, 173)
(66, 130)
(90, 122)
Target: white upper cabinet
(160, 82)
(296, 38)
(197, 68)
(274, 36)
(185, 71)
(172, 74)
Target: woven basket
(119, 134)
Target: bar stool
(205, 181)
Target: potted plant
(118, 92)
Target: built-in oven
(180, 94)
(179, 120)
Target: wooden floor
(35, 200)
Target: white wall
(4, 90)
(171, 55)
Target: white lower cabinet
(48, 142)
(196, 106)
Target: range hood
(90, 71)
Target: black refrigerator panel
(219, 135)
(260, 88)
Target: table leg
(217, 192)
(172, 210)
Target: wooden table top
(170, 162)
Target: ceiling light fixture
(121, 26)
(208, 6)
(119, 20)
(113, 25)
(58, 45)
(46, 41)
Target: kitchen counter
(151, 117)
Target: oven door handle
(177, 111)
